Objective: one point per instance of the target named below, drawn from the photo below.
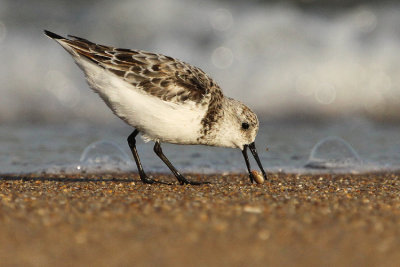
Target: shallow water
(55, 148)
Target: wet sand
(115, 220)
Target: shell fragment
(257, 177)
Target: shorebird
(164, 99)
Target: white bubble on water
(104, 156)
(333, 152)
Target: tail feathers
(52, 35)
(80, 47)
(77, 45)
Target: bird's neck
(221, 126)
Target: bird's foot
(251, 176)
(146, 180)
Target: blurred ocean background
(323, 76)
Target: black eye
(245, 125)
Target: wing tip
(53, 35)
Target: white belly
(154, 118)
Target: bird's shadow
(104, 177)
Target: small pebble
(251, 209)
(257, 177)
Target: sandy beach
(115, 220)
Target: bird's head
(239, 130)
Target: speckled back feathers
(161, 76)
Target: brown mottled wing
(158, 75)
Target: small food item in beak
(257, 177)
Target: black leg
(182, 180)
(132, 144)
(246, 159)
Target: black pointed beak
(253, 150)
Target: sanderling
(165, 99)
